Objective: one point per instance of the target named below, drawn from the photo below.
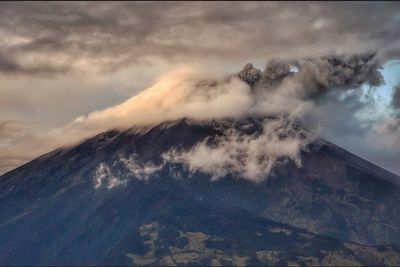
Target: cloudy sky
(69, 70)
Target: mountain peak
(117, 193)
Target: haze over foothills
(71, 70)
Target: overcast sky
(61, 61)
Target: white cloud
(139, 170)
(111, 177)
(182, 93)
(103, 175)
(246, 156)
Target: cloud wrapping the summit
(181, 93)
(295, 88)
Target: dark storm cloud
(9, 65)
(107, 36)
(396, 97)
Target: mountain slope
(95, 204)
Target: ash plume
(315, 76)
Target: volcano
(113, 199)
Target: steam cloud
(111, 177)
(242, 155)
(139, 170)
(246, 156)
(103, 175)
